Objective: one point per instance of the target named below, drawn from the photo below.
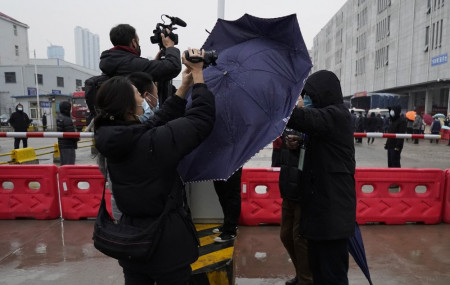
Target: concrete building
(55, 52)
(390, 46)
(57, 79)
(13, 41)
(87, 48)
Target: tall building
(55, 52)
(87, 48)
(390, 46)
(14, 41)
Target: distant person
(44, 122)
(409, 127)
(394, 146)
(20, 121)
(380, 123)
(354, 119)
(417, 127)
(67, 146)
(360, 126)
(371, 126)
(435, 128)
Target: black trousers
(229, 193)
(134, 276)
(328, 260)
(17, 142)
(393, 158)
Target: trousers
(17, 142)
(67, 156)
(295, 244)
(135, 276)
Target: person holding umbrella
(327, 187)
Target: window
(432, 37)
(382, 57)
(15, 30)
(17, 50)
(39, 78)
(360, 66)
(428, 6)
(440, 36)
(427, 36)
(33, 111)
(60, 81)
(10, 77)
(437, 34)
(78, 84)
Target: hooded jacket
(120, 61)
(397, 126)
(142, 162)
(64, 124)
(328, 184)
(19, 120)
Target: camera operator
(124, 58)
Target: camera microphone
(177, 21)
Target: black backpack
(91, 86)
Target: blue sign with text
(440, 59)
(45, 104)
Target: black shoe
(224, 237)
(293, 281)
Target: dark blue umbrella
(260, 71)
(356, 249)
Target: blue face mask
(147, 112)
(308, 102)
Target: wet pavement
(61, 252)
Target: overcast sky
(53, 21)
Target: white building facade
(13, 41)
(390, 46)
(87, 48)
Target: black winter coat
(329, 203)
(289, 181)
(142, 162)
(20, 121)
(397, 126)
(119, 61)
(64, 124)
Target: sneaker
(218, 230)
(224, 237)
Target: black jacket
(64, 124)
(142, 161)
(19, 120)
(397, 126)
(289, 181)
(329, 203)
(371, 123)
(118, 61)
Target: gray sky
(53, 21)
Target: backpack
(91, 86)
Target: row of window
(436, 35)
(361, 42)
(383, 5)
(382, 57)
(437, 5)
(10, 77)
(361, 19)
(383, 28)
(360, 66)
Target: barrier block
(29, 191)
(399, 195)
(260, 194)
(446, 208)
(24, 156)
(81, 188)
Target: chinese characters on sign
(440, 59)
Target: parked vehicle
(4, 118)
(79, 110)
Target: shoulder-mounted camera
(161, 29)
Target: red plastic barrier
(81, 188)
(419, 197)
(446, 211)
(261, 201)
(28, 191)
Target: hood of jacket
(397, 109)
(64, 108)
(115, 142)
(324, 89)
(111, 60)
(17, 107)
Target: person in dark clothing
(380, 123)
(371, 126)
(142, 160)
(394, 146)
(124, 58)
(289, 183)
(44, 122)
(354, 119)
(67, 146)
(20, 121)
(229, 193)
(360, 125)
(435, 128)
(328, 185)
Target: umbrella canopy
(411, 115)
(356, 249)
(261, 68)
(439, 115)
(427, 119)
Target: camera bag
(125, 241)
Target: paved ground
(61, 252)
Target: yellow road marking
(213, 257)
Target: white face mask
(392, 113)
(147, 112)
(19, 109)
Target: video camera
(210, 57)
(161, 29)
